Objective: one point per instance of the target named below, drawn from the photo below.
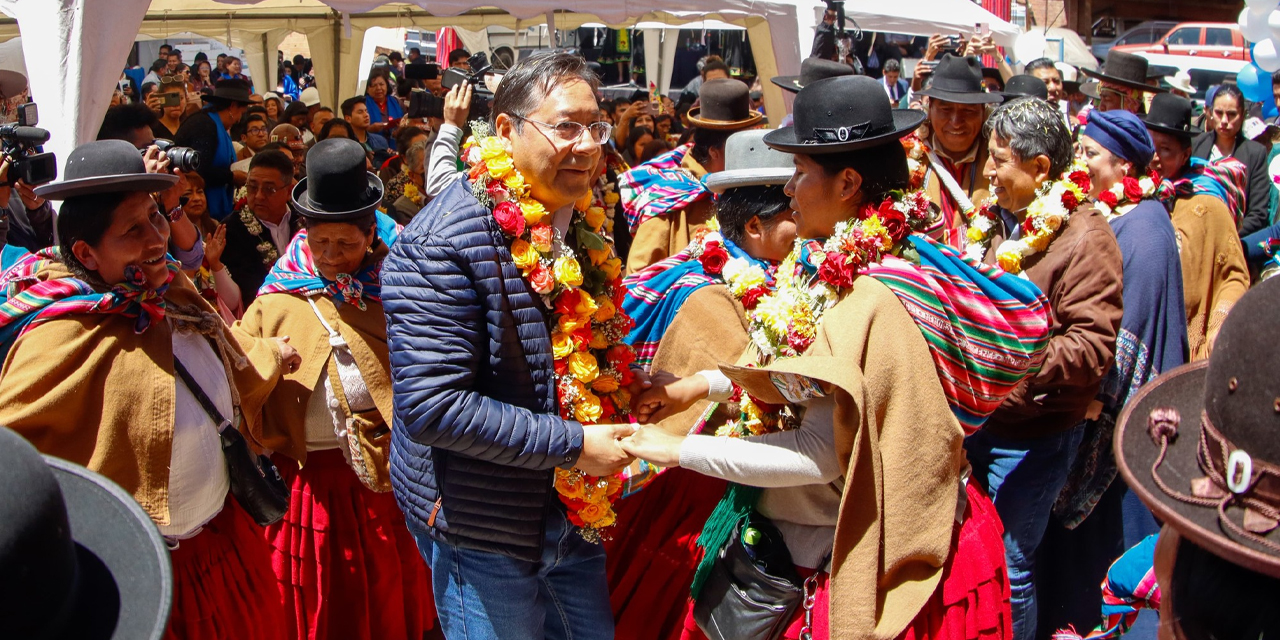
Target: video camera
(20, 143)
(480, 94)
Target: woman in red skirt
(347, 567)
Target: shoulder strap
(208, 405)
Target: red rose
(752, 297)
(1108, 198)
(1132, 190)
(620, 356)
(1080, 178)
(797, 342)
(713, 258)
(895, 222)
(1070, 201)
(626, 376)
(581, 337)
(497, 191)
(562, 366)
(510, 218)
(540, 277)
(568, 301)
(836, 271)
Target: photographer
(208, 133)
(26, 220)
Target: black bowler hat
(230, 90)
(724, 104)
(1025, 85)
(959, 80)
(812, 70)
(105, 166)
(79, 559)
(1200, 445)
(1171, 114)
(338, 187)
(843, 114)
(1124, 69)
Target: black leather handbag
(753, 589)
(255, 482)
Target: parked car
(1146, 32)
(1218, 40)
(1205, 71)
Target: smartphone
(953, 42)
(983, 28)
(172, 99)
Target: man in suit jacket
(259, 230)
(894, 86)
(1229, 114)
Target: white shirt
(281, 233)
(198, 481)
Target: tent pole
(336, 91)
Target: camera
(480, 95)
(20, 143)
(183, 159)
(422, 104)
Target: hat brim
(1183, 390)
(1124, 82)
(722, 181)
(1172, 81)
(149, 182)
(724, 125)
(905, 121)
(788, 83)
(12, 83)
(1184, 133)
(962, 97)
(125, 572)
(306, 208)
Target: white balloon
(1273, 23)
(1261, 5)
(1266, 56)
(1254, 24)
(1029, 46)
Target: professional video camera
(20, 143)
(480, 94)
(183, 159)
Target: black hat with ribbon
(1171, 114)
(959, 79)
(812, 70)
(230, 90)
(338, 186)
(1124, 69)
(1200, 445)
(843, 114)
(105, 166)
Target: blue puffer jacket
(476, 435)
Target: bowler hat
(1025, 85)
(229, 91)
(959, 79)
(812, 70)
(749, 162)
(105, 166)
(1171, 114)
(338, 187)
(724, 104)
(78, 557)
(843, 114)
(1124, 69)
(1200, 445)
(12, 83)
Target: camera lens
(184, 158)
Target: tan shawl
(1214, 272)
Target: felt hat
(309, 96)
(1025, 85)
(105, 166)
(229, 91)
(1070, 76)
(1171, 114)
(843, 114)
(78, 557)
(1180, 81)
(959, 79)
(812, 70)
(1159, 71)
(12, 83)
(749, 162)
(1124, 69)
(1200, 445)
(338, 187)
(724, 104)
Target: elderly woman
(112, 360)
(406, 191)
(346, 564)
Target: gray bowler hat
(749, 162)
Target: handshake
(609, 448)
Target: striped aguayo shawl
(659, 186)
(1224, 178)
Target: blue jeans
(489, 596)
(1023, 478)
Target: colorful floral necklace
(785, 322)
(266, 246)
(1129, 191)
(1046, 214)
(747, 281)
(592, 363)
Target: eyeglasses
(256, 130)
(266, 189)
(571, 132)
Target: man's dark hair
(122, 120)
(166, 46)
(735, 208)
(458, 55)
(349, 105)
(704, 140)
(1038, 64)
(1214, 598)
(273, 159)
(415, 50)
(82, 218)
(147, 89)
(395, 56)
(883, 169)
(714, 65)
(159, 65)
(241, 128)
(892, 66)
(201, 57)
(175, 52)
(662, 117)
(405, 134)
(1033, 127)
(334, 124)
(274, 146)
(296, 108)
(527, 83)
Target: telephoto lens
(181, 158)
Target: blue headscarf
(1121, 133)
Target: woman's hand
(668, 396)
(937, 43)
(214, 244)
(457, 104)
(289, 356)
(654, 445)
(155, 160)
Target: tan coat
(88, 389)
(665, 235)
(972, 179)
(901, 447)
(1214, 272)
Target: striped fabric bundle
(1225, 179)
(985, 328)
(659, 186)
(296, 272)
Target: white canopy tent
(74, 49)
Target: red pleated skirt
(345, 563)
(222, 583)
(654, 552)
(971, 603)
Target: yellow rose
(612, 268)
(569, 484)
(583, 366)
(1010, 261)
(622, 398)
(500, 167)
(588, 410)
(586, 305)
(595, 514)
(605, 309)
(598, 256)
(492, 147)
(595, 218)
(561, 345)
(605, 384)
(524, 254)
(569, 324)
(1039, 242)
(611, 198)
(533, 211)
(515, 184)
(567, 271)
(599, 341)
(975, 234)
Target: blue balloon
(1254, 83)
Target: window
(1217, 37)
(1185, 36)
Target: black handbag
(753, 589)
(255, 482)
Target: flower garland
(266, 247)
(414, 194)
(1127, 191)
(784, 323)
(1051, 208)
(587, 324)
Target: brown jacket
(1081, 274)
(88, 389)
(667, 234)
(1214, 272)
(901, 447)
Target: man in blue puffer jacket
(476, 434)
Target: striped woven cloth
(985, 328)
(658, 187)
(1224, 178)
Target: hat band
(836, 135)
(1232, 477)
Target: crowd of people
(911, 363)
